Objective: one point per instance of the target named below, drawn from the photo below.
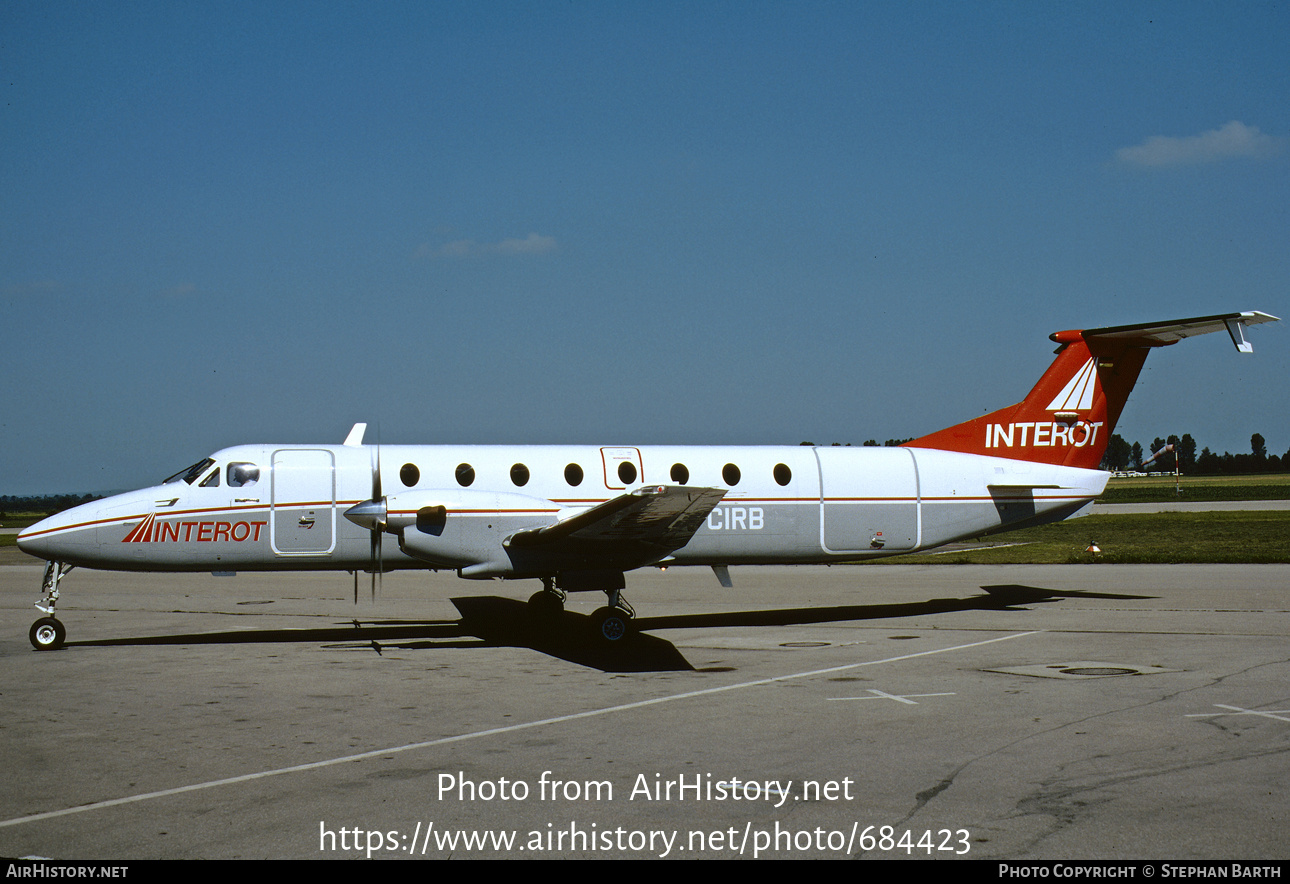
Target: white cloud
(533, 244)
(179, 291)
(1232, 140)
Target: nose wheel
(47, 634)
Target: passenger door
(302, 513)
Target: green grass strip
(1245, 537)
(1160, 489)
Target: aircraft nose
(33, 540)
(68, 536)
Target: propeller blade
(377, 531)
(372, 514)
(379, 582)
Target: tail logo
(1067, 430)
(1077, 395)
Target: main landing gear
(48, 633)
(613, 623)
(548, 602)
(610, 624)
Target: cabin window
(409, 475)
(465, 474)
(573, 474)
(783, 475)
(627, 472)
(520, 474)
(242, 475)
(680, 473)
(730, 473)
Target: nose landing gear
(48, 633)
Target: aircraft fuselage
(781, 505)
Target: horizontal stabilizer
(1161, 334)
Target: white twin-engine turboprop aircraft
(578, 517)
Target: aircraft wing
(641, 526)
(1161, 334)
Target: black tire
(611, 625)
(47, 634)
(546, 604)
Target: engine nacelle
(463, 529)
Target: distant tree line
(1120, 455)
(45, 503)
(868, 443)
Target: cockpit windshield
(191, 474)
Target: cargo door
(869, 499)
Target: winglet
(355, 437)
(1236, 328)
(1237, 331)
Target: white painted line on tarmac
(489, 732)
(1237, 710)
(883, 695)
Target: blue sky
(622, 222)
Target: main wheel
(47, 634)
(611, 624)
(546, 604)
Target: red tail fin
(1069, 416)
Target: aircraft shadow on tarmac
(490, 621)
